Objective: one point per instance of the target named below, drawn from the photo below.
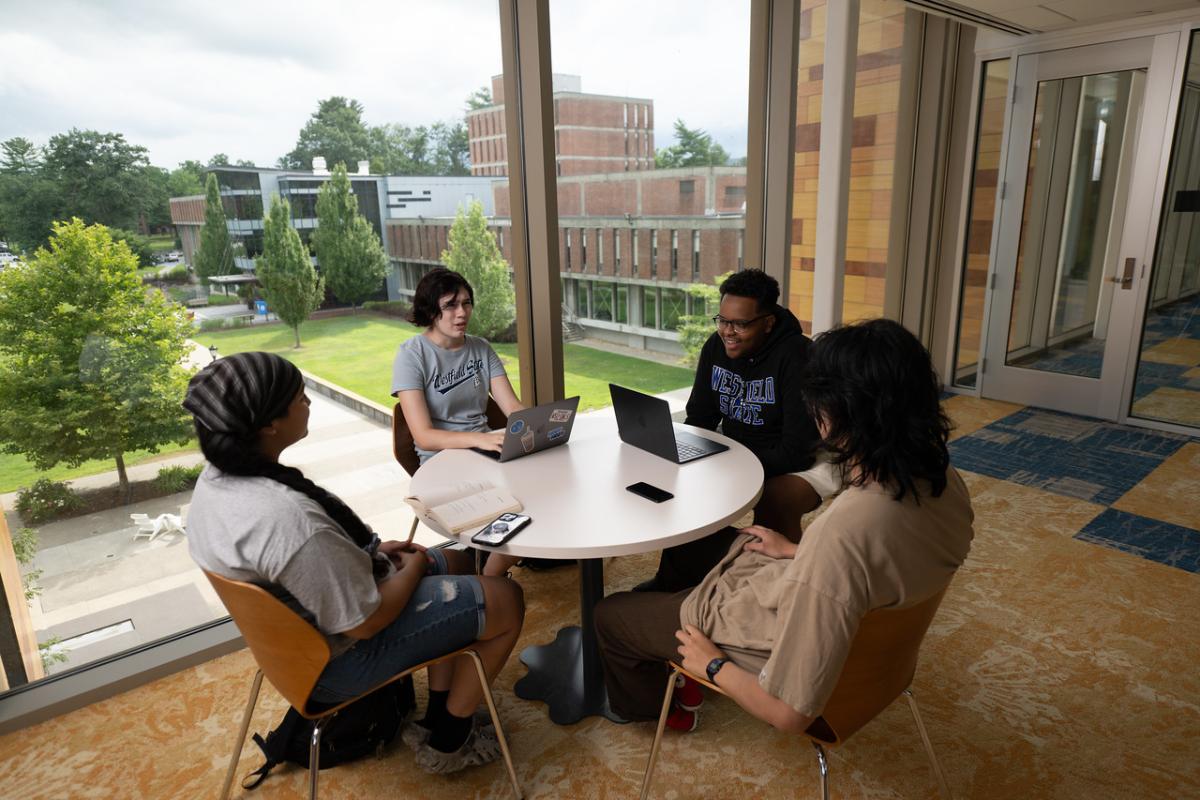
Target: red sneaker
(682, 720)
(688, 694)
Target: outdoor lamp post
(212, 351)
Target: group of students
(766, 612)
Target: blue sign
(260, 307)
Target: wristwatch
(714, 667)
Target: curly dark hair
(755, 284)
(436, 284)
(874, 388)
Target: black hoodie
(756, 399)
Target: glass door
(1076, 206)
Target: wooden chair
(878, 669)
(292, 654)
(405, 449)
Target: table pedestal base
(566, 674)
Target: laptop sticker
(561, 414)
(556, 433)
(517, 426)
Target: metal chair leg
(491, 704)
(823, 763)
(314, 755)
(255, 685)
(662, 724)
(943, 787)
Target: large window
(651, 177)
(410, 139)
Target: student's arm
(697, 650)
(503, 394)
(702, 409)
(394, 593)
(427, 437)
(795, 447)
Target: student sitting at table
(748, 381)
(443, 377)
(773, 622)
(378, 604)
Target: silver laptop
(645, 422)
(534, 429)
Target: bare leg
(505, 614)
(498, 564)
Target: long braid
(232, 399)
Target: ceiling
(1024, 16)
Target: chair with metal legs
(878, 669)
(291, 653)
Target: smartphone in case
(500, 530)
(643, 489)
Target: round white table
(576, 497)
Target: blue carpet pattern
(1163, 542)
(1090, 460)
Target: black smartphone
(642, 489)
(500, 530)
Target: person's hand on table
(769, 543)
(489, 440)
(696, 649)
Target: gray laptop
(645, 422)
(533, 429)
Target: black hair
(874, 387)
(235, 397)
(755, 284)
(433, 286)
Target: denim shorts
(445, 612)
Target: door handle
(1126, 279)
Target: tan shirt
(793, 620)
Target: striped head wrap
(241, 394)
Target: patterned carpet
(1055, 668)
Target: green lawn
(357, 352)
(17, 473)
(162, 242)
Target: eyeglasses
(454, 304)
(738, 325)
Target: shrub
(391, 308)
(25, 544)
(177, 478)
(45, 500)
(221, 323)
(176, 274)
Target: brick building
(593, 133)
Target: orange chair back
(880, 665)
(405, 449)
(290, 652)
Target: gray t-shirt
(455, 382)
(259, 531)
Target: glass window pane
(651, 176)
(417, 146)
(980, 216)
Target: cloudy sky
(188, 80)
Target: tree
(693, 148)
(219, 160)
(27, 199)
(138, 245)
(473, 252)
(451, 149)
(100, 178)
(348, 250)
(291, 286)
(90, 362)
(335, 131)
(694, 329)
(187, 180)
(20, 156)
(480, 98)
(214, 256)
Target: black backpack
(364, 727)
